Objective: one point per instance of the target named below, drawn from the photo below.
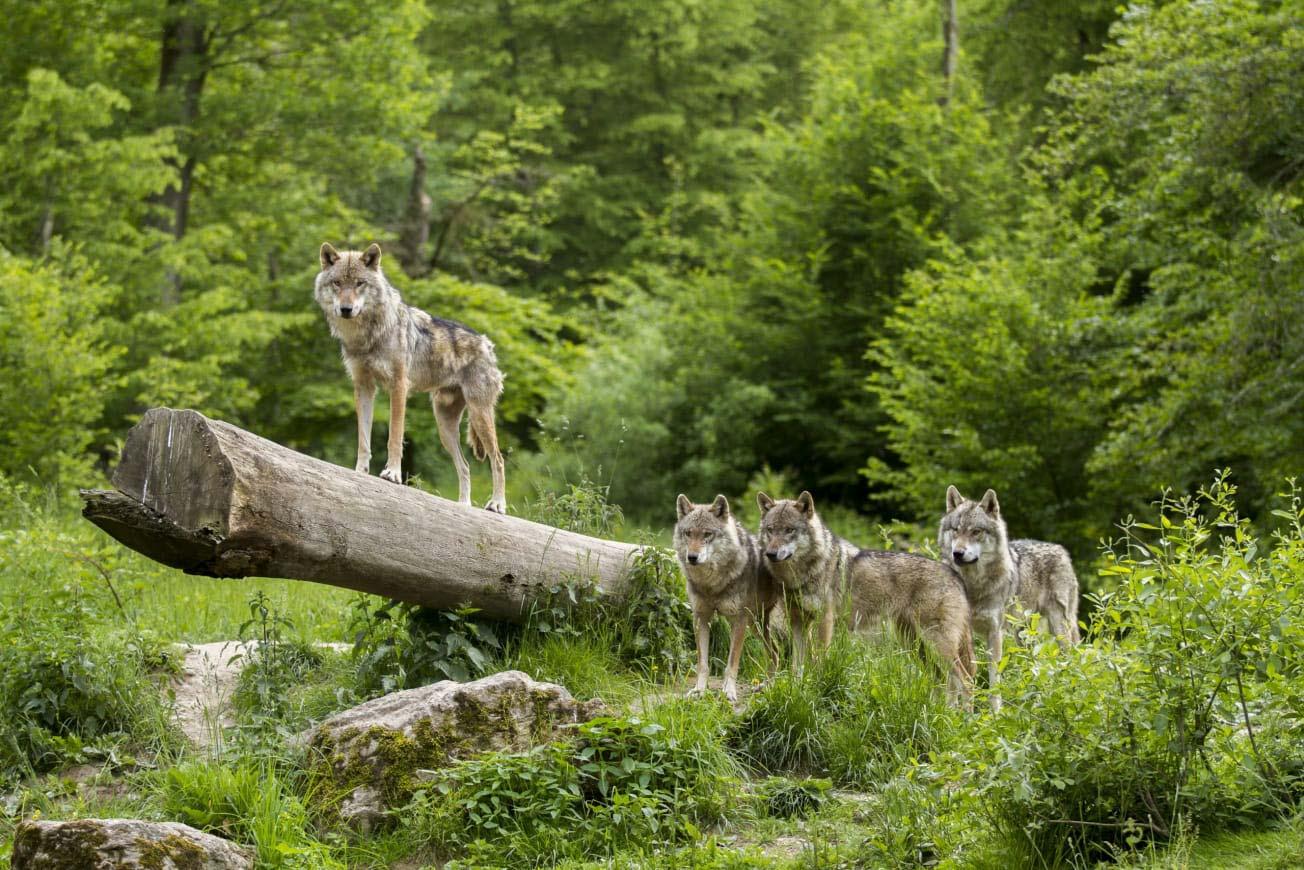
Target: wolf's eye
(336, 283)
(708, 535)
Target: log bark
(212, 499)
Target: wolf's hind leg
(485, 442)
(449, 405)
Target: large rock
(373, 753)
(109, 844)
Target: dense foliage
(707, 237)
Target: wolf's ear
(990, 504)
(764, 502)
(953, 499)
(329, 255)
(371, 256)
(806, 503)
(720, 507)
(683, 505)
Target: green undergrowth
(858, 713)
(1170, 738)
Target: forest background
(719, 244)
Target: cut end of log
(146, 531)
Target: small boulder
(373, 752)
(110, 844)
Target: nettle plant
(1184, 707)
(399, 646)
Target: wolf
(726, 575)
(388, 343)
(821, 575)
(972, 538)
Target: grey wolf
(389, 343)
(973, 538)
(822, 575)
(726, 575)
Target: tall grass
(861, 711)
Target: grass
(858, 763)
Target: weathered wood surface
(212, 499)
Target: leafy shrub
(655, 621)
(1179, 711)
(860, 711)
(625, 781)
(400, 646)
(71, 688)
(53, 343)
(275, 663)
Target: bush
(1184, 710)
(623, 783)
(72, 689)
(56, 360)
(401, 646)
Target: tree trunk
(951, 48)
(416, 220)
(212, 499)
(183, 66)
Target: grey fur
(822, 575)
(386, 342)
(725, 575)
(972, 538)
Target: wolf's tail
(478, 440)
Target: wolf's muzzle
(962, 558)
(776, 555)
(346, 312)
(693, 558)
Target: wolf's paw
(731, 693)
(697, 691)
(393, 475)
(497, 505)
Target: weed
(400, 646)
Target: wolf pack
(795, 569)
(797, 566)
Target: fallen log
(212, 499)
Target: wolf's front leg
(797, 627)
(737, 634)
(702, 629)
(364, 401)
(397, 409)
(995, 645)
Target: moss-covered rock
(108, 844)
(370, 758)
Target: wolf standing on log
(391, 344)
(972, 538)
